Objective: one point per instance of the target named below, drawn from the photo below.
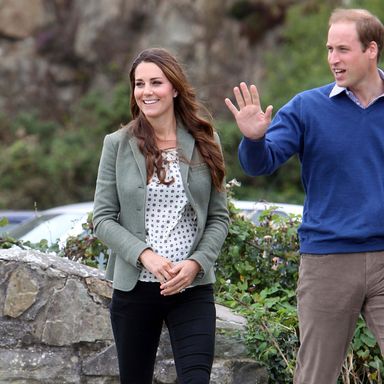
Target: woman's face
(153, 92)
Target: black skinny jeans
(137, 318)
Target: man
(338, 132)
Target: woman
(160, 206)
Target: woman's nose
(148, 89)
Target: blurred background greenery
(51, 158)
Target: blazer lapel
(140, 161)
(186, 144)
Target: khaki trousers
(332, 291)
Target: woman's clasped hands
(174, 278)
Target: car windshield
(6, 228)
(47, 226)
(255, 217)
(14, 218)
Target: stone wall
(55, 329)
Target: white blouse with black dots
(170, 220)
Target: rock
(21, 292)
(20, 18)
(70, 321)
(54, 317)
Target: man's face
(349, 64)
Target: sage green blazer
(119, 207)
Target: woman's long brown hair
(187, 110)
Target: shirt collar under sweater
(336, 90)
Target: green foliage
(364, 362)
(259, 256)
(272, 331)
(3, 221)
(31, 126)
(301, 61)
(86, 248)
(7, 242)
(51, 164)
(256, 276)
(374, 6)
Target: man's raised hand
(250, 118)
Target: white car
(57, 224)
(53, 225)
(253, 209)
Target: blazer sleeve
(107, 208)
(216, 229)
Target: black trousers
(137, 318)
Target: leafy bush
(86, 248)
(256, 276)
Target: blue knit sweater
(341, 149)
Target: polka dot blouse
(170, 220)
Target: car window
(14, 218)
(256, 215)
(6, 228)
